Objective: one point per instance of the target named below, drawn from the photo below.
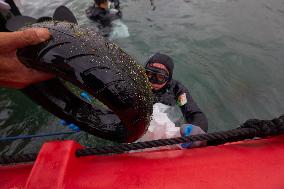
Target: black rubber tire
(101, 68)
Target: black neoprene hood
(162, 59)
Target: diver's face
(160, 77)
(104, 5)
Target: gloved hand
(189, 129)
(71, 126)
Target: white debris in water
(119, 30)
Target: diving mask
(156, 75)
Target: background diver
(104, 12)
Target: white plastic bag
(161, 127)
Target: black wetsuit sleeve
(93, 12)
(189, 108)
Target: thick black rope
(250, 129)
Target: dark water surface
(229, 53)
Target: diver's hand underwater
(14, 74)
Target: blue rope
(71, 126)
(34, 136)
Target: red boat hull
(255, 164)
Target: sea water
(228, 53)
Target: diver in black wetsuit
(159, 69)
(104, 12)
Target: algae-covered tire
(95, 65)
